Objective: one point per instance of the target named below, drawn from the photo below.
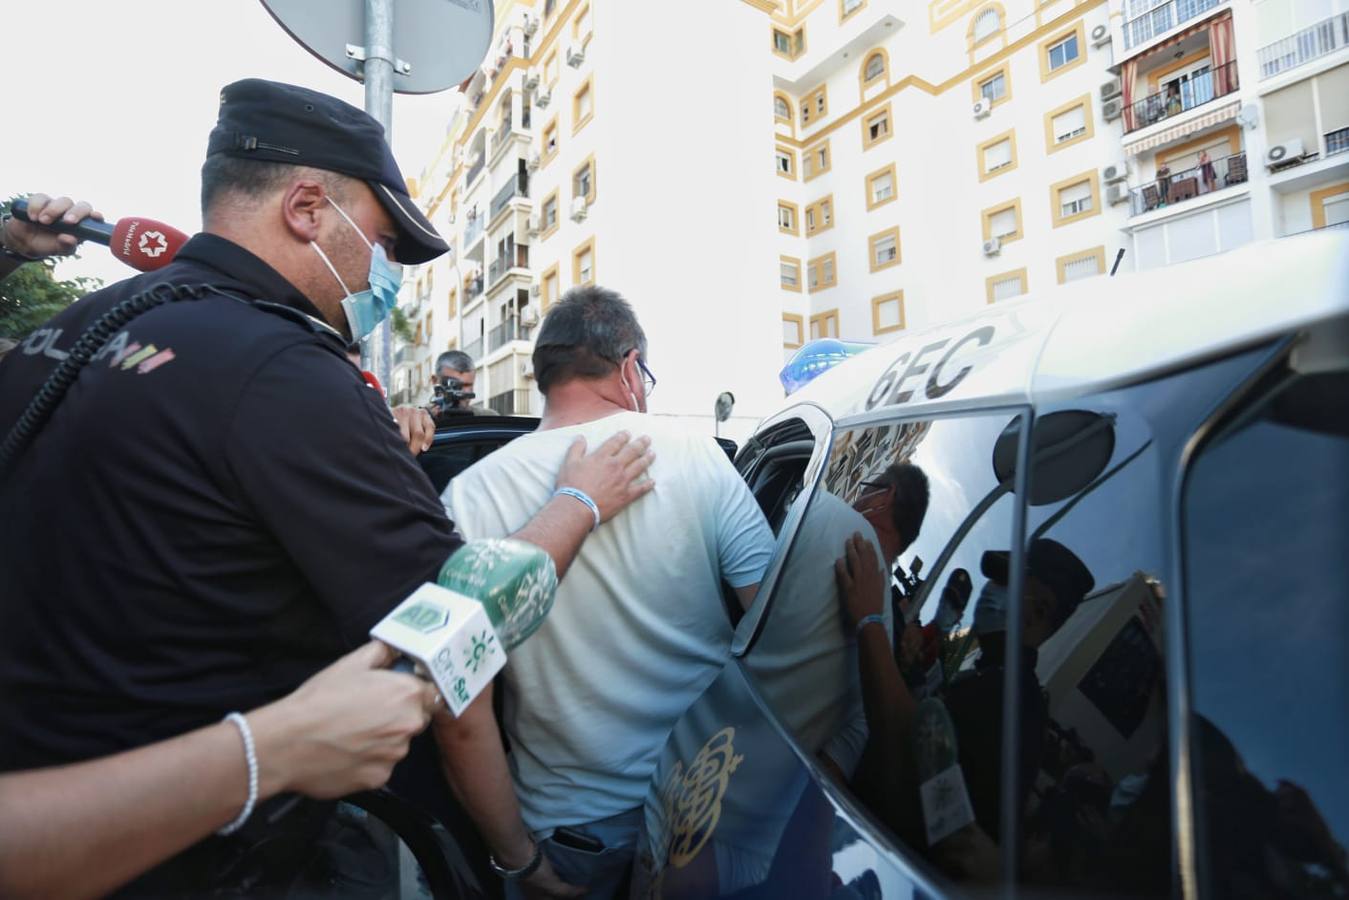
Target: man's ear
(301, 204)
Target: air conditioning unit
(526, 368)
(1115, 172)
(579, 208)
(450, 218)
(1116, 193)
(982, 108)
(1285, 154)
(535, 290)
(1112, 109)
(576, 54)
(543, 96)
(1100, 35)
(531, 79)
(534, 160)
(529, 316)
(535, 226)
(1110, 89)
(992, 246)
(531, 25)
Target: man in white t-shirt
(638, 628)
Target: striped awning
(1191, 126)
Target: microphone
(144, 244)
(487, 598)
(372, 381)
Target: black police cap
(1057, 567)
(282, 123)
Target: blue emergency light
(814, 359)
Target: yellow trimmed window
(583, 180)
(583, 264)
(887, 313)
(789, 44)
(822, 272)
(1003, 222)
(815, 161)
(881, 187)
(793, 331)
(789, 218)
(785, 162)
(876, 127)
(820, 216)
(548, 215)
(824, 325)
(997, 155)
(883, 249)
(583, 105)
(1083, 264)
(789, 273)
(1006, 285)
(549, 287)
(815, 105)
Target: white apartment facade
(921, 160)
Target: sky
(112, 102)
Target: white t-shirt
(638, 628)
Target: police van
(1117, 644)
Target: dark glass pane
(1266, 529)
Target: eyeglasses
(648, 380)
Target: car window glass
(926, 499)
(1266, 527)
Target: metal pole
(377, 71)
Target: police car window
(1266, 525)
(927, 501)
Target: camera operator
(452, 391)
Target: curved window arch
(987, 23)
(873, 68)
(782, 108)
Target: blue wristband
(578, 494)
(867, 620)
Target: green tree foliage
(32, 294)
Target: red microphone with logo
(141, 243)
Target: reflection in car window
(1266, 524)
(843, 661)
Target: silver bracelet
(578, 494)
(251, 755)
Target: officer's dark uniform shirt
(219, 508)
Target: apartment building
(921, 161)
(586, 154)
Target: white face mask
(368, 308)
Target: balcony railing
(475, 169)
(502, 137)
(1200, 89)
(507, 331)
(1177, 187)
(1161, 18)
(1308, 44)
(474, 231)
(473, 290)
(474, 350)
(518, 186)
(510, 403)
(514, 256)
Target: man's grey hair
(585, 335)
(457, 360)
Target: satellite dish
(436, 43)
(725, 403)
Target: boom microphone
(143, 244)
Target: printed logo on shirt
(121, 352)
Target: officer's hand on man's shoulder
(416, 426)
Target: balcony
(1200, 89)
(1161, 18)
(1309, 44)
(518, 186)
(513, 256)
(510, 403)
(404, 355)
(476, 169)
(507, 331)
(475, 230)
(1177, 187)
(473, 289)
(474, 350)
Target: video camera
(450, 397)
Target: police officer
(219, 506)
